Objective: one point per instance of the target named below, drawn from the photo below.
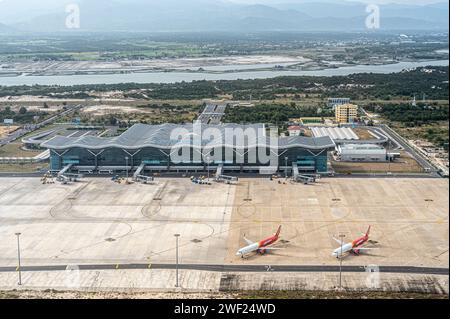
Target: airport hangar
(148, 147)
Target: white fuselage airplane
(354, 246)
(260, 247)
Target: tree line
(431, 81)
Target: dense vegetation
(438, 136)
(270, 113)
(429, 122)
(21, 117)
(411, 115)
(362, 86)
(431, 81)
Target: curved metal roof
(169, 135)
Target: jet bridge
(220, 178)
(219, 171)
(295, 172)
(304, 179)
(301, 178)
(140, 178)
(65, 177)
(61, 176)
(226, 179)
(144, 179)
(65, 170)
(139, 171)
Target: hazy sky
(56, 2)
(276, 1)
(367, 1)
(14, 10)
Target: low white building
(362, 153)
(336, 133)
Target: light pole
(389, 156)
(18, 255)
(177, 236)
(341, 236)
(286, 169)
(126, 164)
(207, 159)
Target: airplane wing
(271, 248)
(338, 241)
(364, 248)
(248, 241)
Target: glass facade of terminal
(306, 159)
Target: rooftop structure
(35, 141)
(336, 133)
(333, 102)
(294, 130)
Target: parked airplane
(354, 247)
(260, 247)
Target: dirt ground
(5, 130)
(363, 134)
(404, 164)
(52, 294)
(100, 110)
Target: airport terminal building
(190, 148)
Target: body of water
(172, 77)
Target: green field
(15, 150)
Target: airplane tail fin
(278, 231)
(368, 231)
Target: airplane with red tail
(260, 247)
(353, 247)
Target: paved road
(181, 175)
(387, 176)
(418, 157)
(32, 127)
(17, 134)
(403, 143)
(237, 268)
(22, 175)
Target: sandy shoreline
(67, 67)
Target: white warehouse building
(362, 153)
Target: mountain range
(218, 15)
